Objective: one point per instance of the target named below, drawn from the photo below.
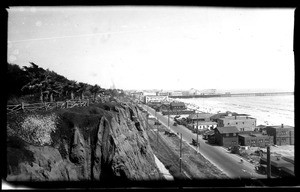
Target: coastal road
(227, 162)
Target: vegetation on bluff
(35, 84)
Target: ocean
(268, 110)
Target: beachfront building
(175, 106)
(176, 93)
(255, 140)
(155, 99)
(202, 120)
(200, 117)
(283, 134)
(160, 93)
(205, 125)
(242, 122)
(226, 136)
(216, 116)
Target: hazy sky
(157, 47)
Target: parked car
(157, 123)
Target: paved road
(229, 163)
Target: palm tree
(38, 79)
(82, 88)
(94, 90)
(70, 87)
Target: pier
(234, 95)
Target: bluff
(102, 142)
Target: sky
(169, 48)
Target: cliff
(102, 142)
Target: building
(200, 117)
(137, 95)
(279, 166)
(155, 99)
(255, 140)
(283, 134)
(208, 92)
(174, 106)
(242, 122)
(205, 125)
(226, 136)
(176, 93)
(160, 93)
(185, 93)
(202, 120)
(215, 117)
(262, 129)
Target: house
(177, 106)
(200, 117)
(255, 140)
(242, 122)
(283, 135)
(226, 136)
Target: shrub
(37, 128)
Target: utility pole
(268, 162)
(168, 117)
(157, 137)
(197, 133)
(180, 161)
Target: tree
(70, 87)
(38, 79)
(16, 79)
(95, 90)
(82, 88)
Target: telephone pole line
(180, 161)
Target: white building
(155, 98)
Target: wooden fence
(23, 107)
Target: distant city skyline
(169, 48)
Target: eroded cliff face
(97, 143)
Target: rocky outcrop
(97, 143)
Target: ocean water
(268, 110)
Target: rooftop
(200, 115)
(253, 135)
(229, 129)
(281, 126)
(206, 123)
(175, 104)
(219, 115)
(236, 117)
